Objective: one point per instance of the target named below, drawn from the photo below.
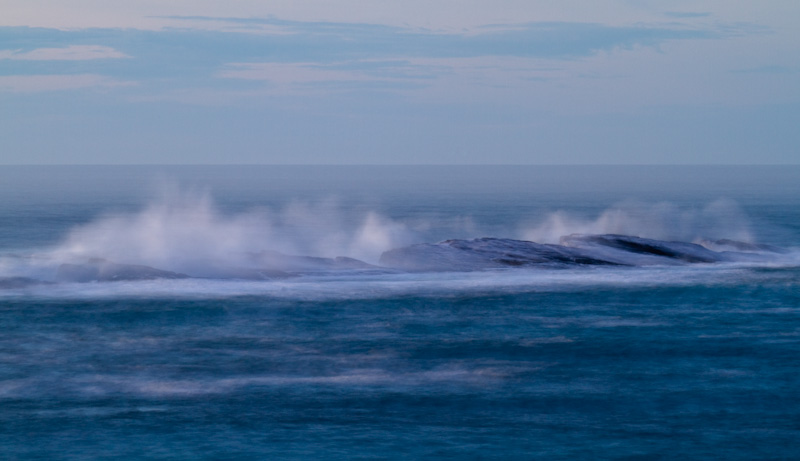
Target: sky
(389, 82)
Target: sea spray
(719, 219)
(183, 231)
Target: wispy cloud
(306, 55)
(392, 73)
(300, 52)
(42, 83)
(766, 70)
(330, 42)
(560, 40)
(69, 53)
(686, 14)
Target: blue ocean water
(328, 358)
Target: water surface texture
(293, 312)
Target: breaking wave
(185, 243)
(721, 219)
(184, 230)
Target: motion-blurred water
(590, 362)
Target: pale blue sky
(509, 81)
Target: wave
(573, 250)
(185, 231)
(185, 239)
(720, 219)
(447, 267)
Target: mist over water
(183, 229)
(274, 349)
(196, 223)
(187, 232)
(720, 219)
(42, 204)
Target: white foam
(662, 221)
(184, 230)
(336, 287)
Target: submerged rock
(101, 270)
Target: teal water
(656, 362)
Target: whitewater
(399, 312)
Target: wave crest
(721, 219)
(183, 231)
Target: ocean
(399, 312)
